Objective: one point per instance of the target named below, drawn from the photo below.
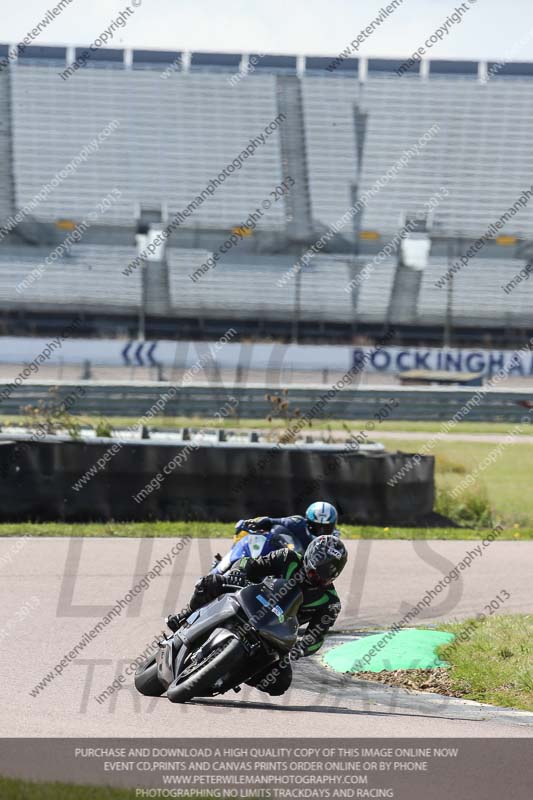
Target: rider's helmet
(321, 518)
(324, 560)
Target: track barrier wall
(44, 481)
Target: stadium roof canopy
(156, 57)
(389, 65)
(43, 53)
(262, 63)
(321, 64)
(453, 68)
(220, 60)
(518, 68)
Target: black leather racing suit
(319, 609)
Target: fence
(257, 401)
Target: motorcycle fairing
(271, 613)
(208, 617)
(249, 545)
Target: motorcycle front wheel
(199, 680)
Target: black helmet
(324, 559)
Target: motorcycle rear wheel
(200, 683)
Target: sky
(491, 29)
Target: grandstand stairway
(355, 267)
(7, 190)
(294, 158)
(404, 297)
(156, 288)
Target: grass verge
(493, 663)
(276, 424)
(219, 530)
(490, 661)
(480, 483)
(11, 789)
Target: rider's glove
(298, 651)
(257, 524)
(207, 589)
(236, 578)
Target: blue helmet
(321, 518)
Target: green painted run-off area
(387, 650)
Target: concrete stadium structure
(363, 145)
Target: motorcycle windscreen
(257, 544)
(271, 608)
(249, 545)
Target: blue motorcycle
(256, 543)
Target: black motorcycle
(225, 643)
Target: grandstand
(481, 152)
(86, 278)
(476, 292)
(174, 135)
(159, 127)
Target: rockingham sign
(269, 357)
(398, 359)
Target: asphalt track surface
(69, 577)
